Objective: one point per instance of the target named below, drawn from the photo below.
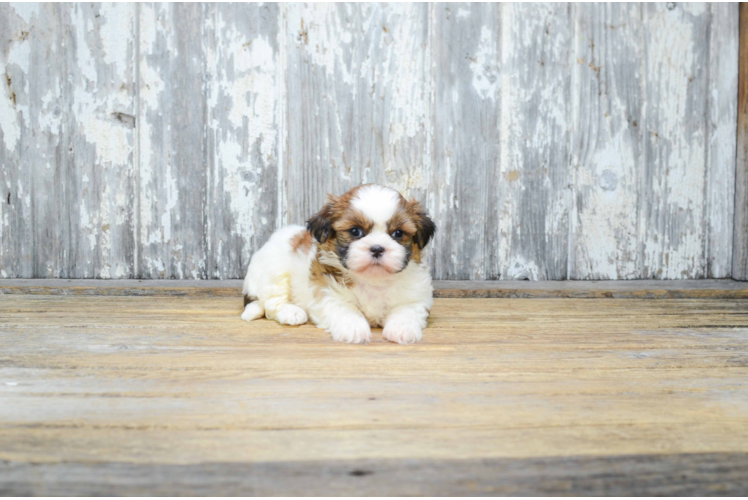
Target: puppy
(358, 263)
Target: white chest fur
(377, 299)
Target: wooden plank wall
(740, 244)
(549, 141)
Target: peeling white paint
(117, 25)
(26, 10)
(152, 85)
(111, 139)
(8, 122)
(85, 61)
(518, 268)
(87, 225)
(409, 105)
(252, 92)
(675, 240)
(483, 65)
(323, 33)
(172, 198)
(50, 120)
(20, 54)
(243, 97)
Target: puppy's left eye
(397, 234)
(356, 232)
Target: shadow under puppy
(357, 264)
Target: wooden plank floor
(176, 395)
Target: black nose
(376, 251)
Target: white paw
(290, 314)
(252, 311)
(402, 331)
(351, 328)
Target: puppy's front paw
(290, 314)
(402, 331)
(352, 329)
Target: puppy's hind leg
(280, 307)
(253, 310)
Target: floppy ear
(320, 225)
(425, 226)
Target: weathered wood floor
(176, 395)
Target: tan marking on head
(301, 242)
(333, 221)
(403, 221)
(425, 227)
(350, 219)
(415, 256)
(321, 224)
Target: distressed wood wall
(549, 141)
(740, 238)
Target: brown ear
(320, 225)
(425, 226)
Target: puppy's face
(373, 230)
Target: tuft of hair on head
(320, 225)
(425, 227)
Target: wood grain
(358, 90)
(535, 199)
(467, 108)
(126, 384)
(673, 183)
(99, 129)
(172, 153)
(70, 182)
(606, 141)
(692, 474)
(26, 68)
(740, 245)
(721, 138)
(244, 87)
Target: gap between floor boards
(633, 289)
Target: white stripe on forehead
(378, 203)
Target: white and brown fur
(333, 273)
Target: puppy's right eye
(356, 232)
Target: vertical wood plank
(32, 103)
(740, 239)
(99, 123)
(672, 229)
(358, 107)
(465, 184)
(18, 96)
(172, 152)
(722, 134)
(244, 95)
(75, 90)
(45, 159)
(605, 141)
(535, 172)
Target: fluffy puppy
(357, 264)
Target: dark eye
(397, 234)
(356, 232)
